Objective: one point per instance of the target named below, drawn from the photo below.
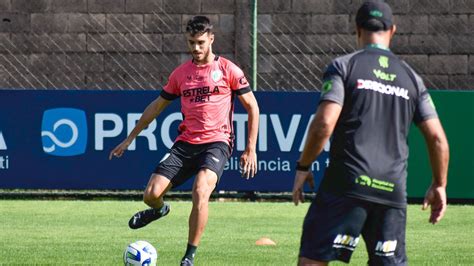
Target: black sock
(190, 252)
(159, 211)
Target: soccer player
(206, 86)
(368, 100)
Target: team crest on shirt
(216, 75)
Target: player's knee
(201, 195)
(201, 192)
(150, 197)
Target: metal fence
(135, 44)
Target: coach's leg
(157, 187)
(307, 262)
(204, 184)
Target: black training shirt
(380, 96)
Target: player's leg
(204, 184)
(331, 229)
(171, 172)
(384, 236)
(157, 187)
(309, 262)
(211, 162)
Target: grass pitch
(96, 233)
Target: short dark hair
(199, 24)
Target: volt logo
(64, 132)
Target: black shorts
(333, 225)
(185, 160)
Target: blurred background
(282, 45)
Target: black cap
(375, 15)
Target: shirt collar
(378, 46)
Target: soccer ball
(140, 253)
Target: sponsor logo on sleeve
(327, 86)
(243, 81)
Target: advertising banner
(62, 139)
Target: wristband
(300, 167)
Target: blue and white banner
(62, 139)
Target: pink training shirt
(207, 96)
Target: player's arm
(319, 132)
(438, 150)
(248, 160)
(150, 113)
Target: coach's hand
(119, 150)
(301, 178)
(436, 198)
(248, 163)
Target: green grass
(96, 233)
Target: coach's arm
(150, 113)
(319, 132)
(438, 150)
(248, 160)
